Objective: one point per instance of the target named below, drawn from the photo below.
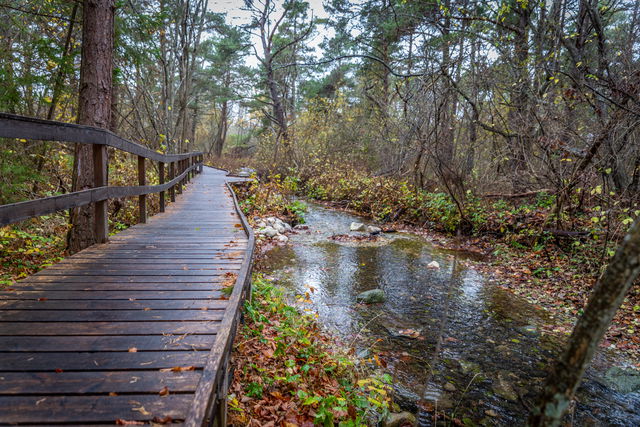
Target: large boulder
(372, 296)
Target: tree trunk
(94, 109)
(605, 300)
(221, 133)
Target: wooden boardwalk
(136, 329)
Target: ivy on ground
(288, 372)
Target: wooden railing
(182, 167)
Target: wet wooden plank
(88, 409)
(57, 383)
(13, 316)
(61, 329)
(100, 361)
(103, 295)
(115, 286)
(107, 305)
(133, 272)
(107, 343)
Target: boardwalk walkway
(137, 329)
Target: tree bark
(605, 300)
(94, 109)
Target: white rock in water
(357, 226)
(301, 227)
(374, 230)
(433, 265)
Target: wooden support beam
(180, 170)
(100, 179)
(161, 181)
(172, 175)
(142, 199)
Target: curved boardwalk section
(137, 329)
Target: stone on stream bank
(273, 228)
(622, 380)
(400, 419)
(372, 296)
(503, 388)
(358, 226)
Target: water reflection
(447, 336)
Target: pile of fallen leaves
(287, 372)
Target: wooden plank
(107, 343)
(210, 262)
(215, 277)
(61, 329)
(56, 383)
(151, 360)
(119, 286)
(139, 315)
(160, 304)
(135, 272)
(87, 409)
(109, 295)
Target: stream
(447, 336)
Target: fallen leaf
(122, 422)
(178, 369)
(133, 350)
(164, 391)
(58, 370)
(141, 410)
(491, 413)
(411, 333)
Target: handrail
(16, 212)
(181, 168)
(15, 126)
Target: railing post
(172, 174)
(180, 170)
(201, 162)
(161, 181)
(101, 218)
(142, 199)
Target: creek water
(449, 338)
